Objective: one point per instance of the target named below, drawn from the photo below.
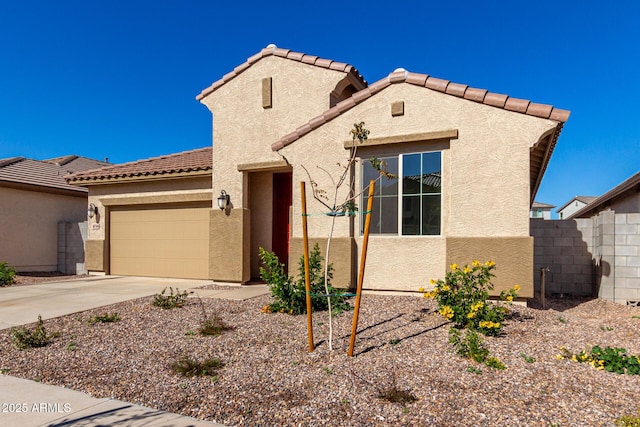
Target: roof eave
(482, 96)
(118, 179)
(79, 192)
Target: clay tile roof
(45, 173)
(76, 163)
(272, 50)
(481, 96)
(186, 161)
(456, 89)
(475, 94)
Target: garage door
(160, 242)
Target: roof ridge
(11, 160)
(62, 160)
(447, 87)
(90, 174)
(273, 50)
(149, 159)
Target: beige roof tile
(456, 89)
(187, 161)
(417, 79)
(495, 99)
(515, 104)
(437, 84)
(475, 94)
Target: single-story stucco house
(455, 149)
(35, 200)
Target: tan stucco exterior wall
(29, 226)
(343, 253)
(513, 257)
(229, 249)
(485, 178)
(151, 192)
(261, 206)
(243, 131)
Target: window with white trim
(411, 204)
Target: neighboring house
(623, 199)
(540, 210)
(34, 199)
(283, 113)
(574, 205)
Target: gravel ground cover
(36, 278)
(270, 379)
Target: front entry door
(281, 232)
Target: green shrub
(172, 300)
(7, 274)
(104, 318)
(188, 367)
(472, 347)
(289, 296)
(463, 296)
(610, 359)
(628, 421)
(24, 338)
(213, 326)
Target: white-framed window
(411, 204)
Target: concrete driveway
(20, 305)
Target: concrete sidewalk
(26, 403)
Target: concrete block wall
(565, 248)
(597, 256)
(71, 238)
(626, 259)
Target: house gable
(485, 154)
(540, 152)
(256, 104)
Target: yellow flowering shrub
(446, 311)
(462, 294)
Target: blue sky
(118, 79)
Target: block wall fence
(71, 239)
(598, 256)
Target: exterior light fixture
(93, 210)
(223, 200)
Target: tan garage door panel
(160, 242)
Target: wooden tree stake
(363, 260)
(305, 244)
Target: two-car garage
(160, 240)
(151, 217)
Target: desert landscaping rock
(270, 378)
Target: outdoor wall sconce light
(93, 210)
(223, 200)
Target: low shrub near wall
(7, 274)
